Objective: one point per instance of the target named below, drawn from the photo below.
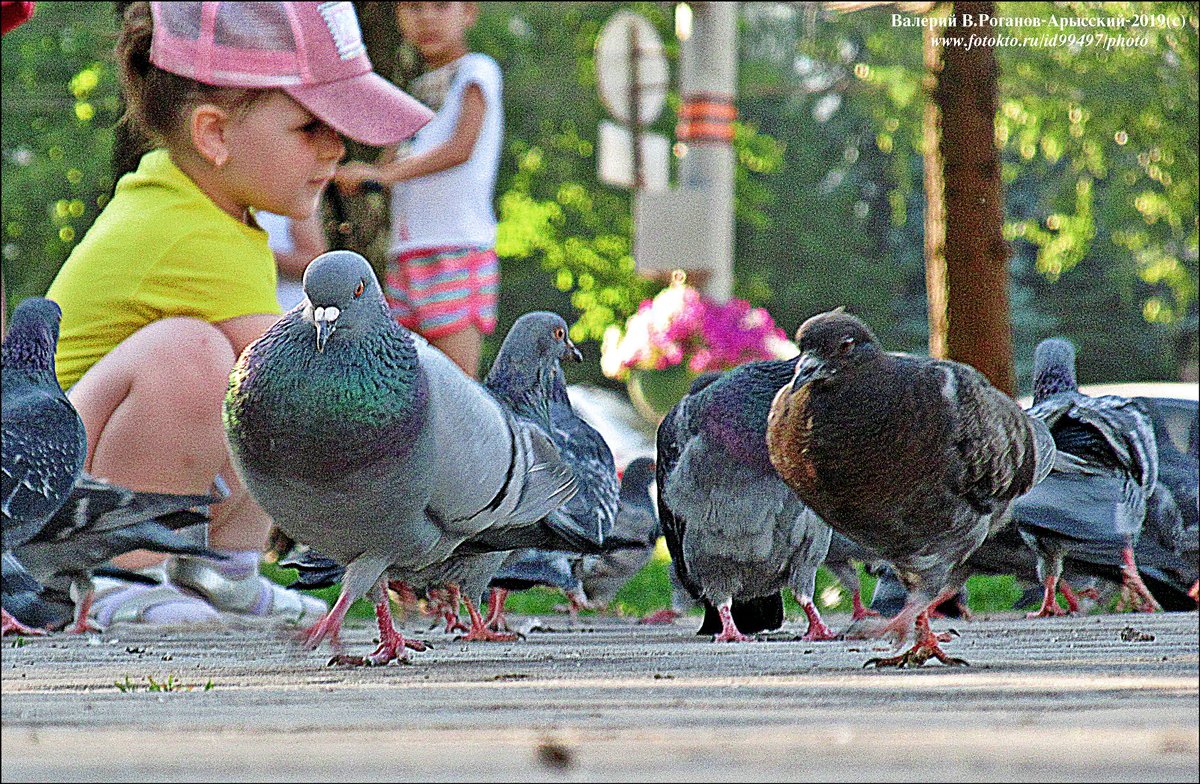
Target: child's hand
(349, 178)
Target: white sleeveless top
(453, 207)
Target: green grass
(650, 590)
(170, 683)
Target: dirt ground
(1045, 700)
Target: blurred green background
(1098, 150)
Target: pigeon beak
(573, 352)
(810, 368)
(325, 320)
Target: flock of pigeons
(386, 468)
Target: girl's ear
(208, 124)
(471, 12)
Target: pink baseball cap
(314, 52)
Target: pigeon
(527, 378)
(748, 615)
(737, 529)
(1178, 470)
(604, 575)
(45, 444)
(915, 458)
(1162, 560)
(592, 581)
(372, 446)
(1092, 506)
(1005, 553)
(101, 520)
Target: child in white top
(442, 272)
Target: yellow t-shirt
(160, 248)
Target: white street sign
(623, 30)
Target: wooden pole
(979, 325)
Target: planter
(654, 392)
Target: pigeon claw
(926, 648)
(916, 657)
(821, 633)
(861, 611)
(484, 634)
(661, 616)
(392, 649)
(13, 626)
(818, 631)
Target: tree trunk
(977, 312)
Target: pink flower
(681, 325)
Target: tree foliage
(1098, 150)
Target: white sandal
(252, 598)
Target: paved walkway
(1056, 699)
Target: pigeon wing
(44, 450)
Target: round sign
(629, 59)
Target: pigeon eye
(847, 344)
(559, 333)
(358, 290)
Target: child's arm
(308, 242)
(241, 331)
(456, 150)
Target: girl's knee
(182, 362)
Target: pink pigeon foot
(729, 630)
(480, 632)
(446, 604)
(661, 616)
(12, 626)
(82, 623)
(1049, 606)
(1133, 581)
(1070, 596)
(328, 627)
(860, 611)
(817, 630)
(392, 645)
(495, 620)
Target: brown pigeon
(917, 459)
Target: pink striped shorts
(440, 291)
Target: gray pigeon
(1162, 560)
(915, 458)
(1092, 506)
(1177, 469)
(738, 530)
(45, 444)
(527, 377)
(375, 448)
(604, 575)
(101, 520)
(750, 615)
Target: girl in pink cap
(442, 273)
(244, 103)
